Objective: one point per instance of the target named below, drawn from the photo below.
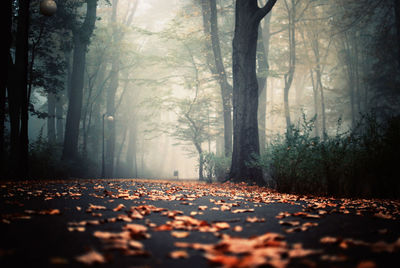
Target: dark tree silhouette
(245, 90)
(81, 38)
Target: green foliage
(216, 167)
(360, 163)
(45, 163)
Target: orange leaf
(178, 254)
(180, 234)
(91, 257)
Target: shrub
(216, 167)
(360, 163)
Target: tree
(18, 95)
(262, 76)
(117, 37)
(81, 39)
(210, 23)
(245, 90)
(6, 23)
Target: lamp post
(109, 118)
(48, 7)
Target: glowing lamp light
(48, 7)
(110, 118)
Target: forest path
(154, 223)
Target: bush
(216, 167)
(360, 163)
(45, 162)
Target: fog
(134, 88)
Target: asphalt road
(139, 223)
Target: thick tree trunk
(6, 22)
(210, 22)
(21, 71)
(397, 18)
(81, 38)
(51, 116)
(245, 91)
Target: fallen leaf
(119, 207)
(328, 240)
(255, 219)
(366, 264)
(222, 225)
(243, 210)
(180, 234)
(178, 254)
(91, 257)
(238, 228)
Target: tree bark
(292, 63)
(70, 151)
(51, 116)
(263, 70)
(201, 161)
(6, 24)
(132, 150)
(119, 152)
(210, 22)
(245, 90)
(81, 38)
(316, 109)
(59, 118)
(397, 18)
(20, 134)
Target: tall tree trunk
(132, 150)
(119, 152)
(201, 162)
(59, 118)
(266, 37)
(292, 63)
(351, 77)
(112, 90)
(322, 100)
(61, 98)
(397, 18)
(263, 70)
(81, 38)
(210, 22)
(20, 158)
(316, 109)
(70, 151)
(51, 116)
(110, 110)
(6, 22)
(245, 90)
(320, 87)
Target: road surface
(156, 223)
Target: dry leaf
(178, 254)
(180, 234)
(91, 257)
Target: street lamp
(110, 119)
(48, 7)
